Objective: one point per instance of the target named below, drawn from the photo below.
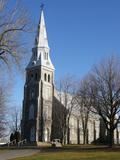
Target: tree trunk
(68, 135)
(84, 138)
(111, 138)
(78, 132)
(64, 136)
(68, 131)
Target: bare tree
(15, 122)
(105, 93)
(84, 105)
(3, 110)
(14, 23)
(66, 96)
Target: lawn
(84, 155)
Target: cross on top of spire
(42, 6)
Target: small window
(31, 76)
(31, 112)
(32, 94)
(45, 76)
(48, 78)
(46, 56)
(33, 62)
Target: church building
(38, 90)
(41, 104)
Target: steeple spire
(41, 39)
(41, 50)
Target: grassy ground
(2, 150)
(86, 155)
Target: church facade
(38, 90)
(41, 104)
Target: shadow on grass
(81, 148)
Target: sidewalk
(9, 154)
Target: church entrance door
(32, 134)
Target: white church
(41, 103)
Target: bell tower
(38, 90)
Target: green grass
(87, 155)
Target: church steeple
(41, 50)
(38, 90)
(41, 39)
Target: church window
(48, 78)
(46, 56)
(32, 94)
(31, 112)
(33, 62)
(46, 113)
(45, 76)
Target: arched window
(45, 76)
(48, 78)
(32, 94)
(31, 112)
(46, 56)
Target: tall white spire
(41, 50)
(41, 40)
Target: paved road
(9, 154)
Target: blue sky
(80, 34)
